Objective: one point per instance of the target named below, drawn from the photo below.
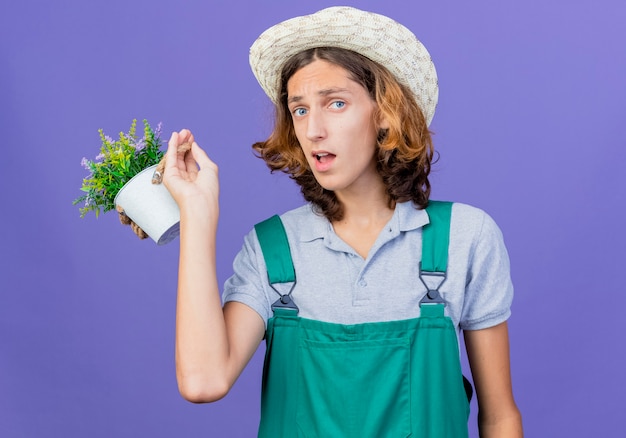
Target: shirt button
(362, 283)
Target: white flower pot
(150, 206)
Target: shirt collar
(408, 217)
(405, 218)
(317, 228)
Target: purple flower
(139, 144)
(157, 131)
(108, 139)
(85, 163)
(100, 156)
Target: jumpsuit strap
(435, 242)
(277, 255)
(436, 237)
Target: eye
(299, 112)
(338, 104)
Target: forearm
(201, 339)
(488, 354)
(508, 426)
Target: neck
(363, 219)
(370, 206)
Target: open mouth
(323, 157)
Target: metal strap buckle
(432, 295)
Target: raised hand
(191, 176)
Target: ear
(383, 123)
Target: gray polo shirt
(335, 284)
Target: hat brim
(374, 36)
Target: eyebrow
(324, 92)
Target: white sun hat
(374, 36)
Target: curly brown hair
(405, 149)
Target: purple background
(530, 127)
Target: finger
(171, 156)
(200, 156)
(190, 163)
(185, 136)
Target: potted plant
(123, 177)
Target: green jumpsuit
(383, 379)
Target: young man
(361, 292)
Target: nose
(315, 129)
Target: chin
(326, 184)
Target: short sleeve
(248, 283)
(489, 290)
